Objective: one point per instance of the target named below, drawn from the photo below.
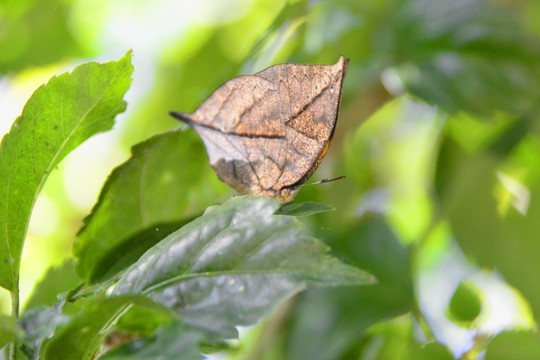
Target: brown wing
(243, 133)
(269, 131)
(310, 95)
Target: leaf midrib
(239, 272)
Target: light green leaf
(232, 265)
(56, 119)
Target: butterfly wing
(310, 95)
(268, 132)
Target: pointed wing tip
(343, 61)
(181, 116)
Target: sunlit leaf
(232, 265)
(56, 119)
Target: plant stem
(14, 313)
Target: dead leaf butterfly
(265, 134)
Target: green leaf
(522, 345)
(343, 314)
(303, 209)
(465, 305)
(142, 320)
(431, 351)
(232, 265)
(8, 332)
(149, 192)
(83, 334)
(55, 281)
(506, 241)
(476, 56)
(166, 344)
(36, 33)
(397, 339)
(41, 322)
(130, 250)
(56, 119)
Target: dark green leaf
(56, 119)
(465, 305)
(303, 209)
(232, 265)
(522, 345)
(150, 191)
(168, 343)
(343, 314)
(55, 281)
(82, 335)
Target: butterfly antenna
(325, 181)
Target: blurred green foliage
(437, 136)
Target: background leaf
(8, 332)
(56, 119)
(56, 281)
(465, 305)
(36, 33)
(514, 345)
(502, 240)
(441, 53)
(152, 189)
